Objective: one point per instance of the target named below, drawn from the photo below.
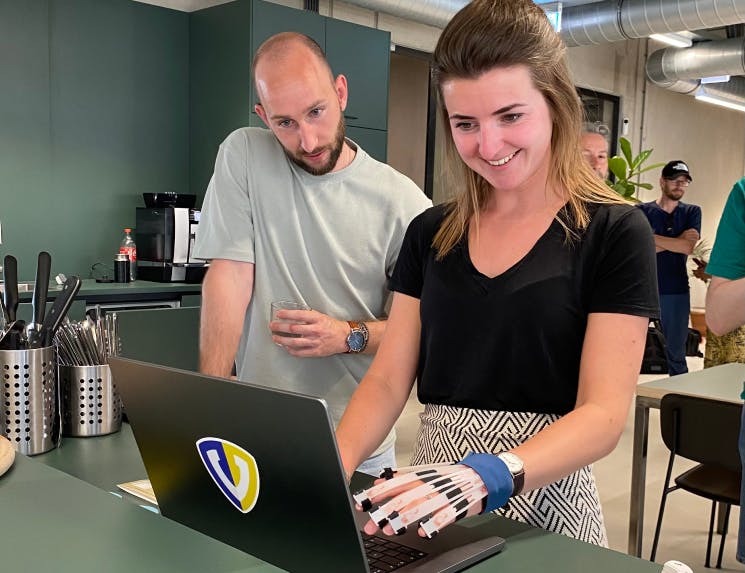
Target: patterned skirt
(570, 506)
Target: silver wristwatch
(515, 465)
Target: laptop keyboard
(386, 555)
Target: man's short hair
(279, 44)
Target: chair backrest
(703, 430)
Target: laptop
(258, 468)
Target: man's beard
(334, 149)
(674, 194)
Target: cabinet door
(268, 19)
(219, 83)
(362, 54)
(373, 141)
(165, 336)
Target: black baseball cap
(676, 168)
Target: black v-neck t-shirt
(514, 342)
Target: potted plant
(625, 168)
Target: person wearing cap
(677, 229)
(595, 151)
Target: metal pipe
(596, 23)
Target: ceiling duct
(680, 70)
(431, 12)
(705, 59)
(616, 20)
(597, 23)
(733, 90)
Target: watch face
(356, 341)
(514, 464)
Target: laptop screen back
(300, 515)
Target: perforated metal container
(91, 405)
(29, 416)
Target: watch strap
(518, 483)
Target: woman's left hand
(431, 496)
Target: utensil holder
(91, 405)
(29, 411)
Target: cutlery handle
(10, 271)
(41, 286)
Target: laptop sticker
(233, 469)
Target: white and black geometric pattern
(570, 506)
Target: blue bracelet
(496, 477)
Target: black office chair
(705, 431)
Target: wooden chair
(705, 431)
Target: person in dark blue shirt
(677, 229)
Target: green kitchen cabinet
(373, 141)
(25, 124)
(362, 54)
(165, 336)
(223, 40)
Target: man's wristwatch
(515, 465)
(357, 337)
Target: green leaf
(641, 158)
(617, 166)
(649, 168)
(626, 149)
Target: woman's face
(501, 125)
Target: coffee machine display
(165, 242)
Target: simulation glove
(496, 477)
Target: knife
(10, 271)
(41, 288)
(57, 313)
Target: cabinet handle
(350, 117)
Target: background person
(725, 297)
(299, 212)
(595, 152)
(521, 306)
(677, 229)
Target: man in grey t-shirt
(300, 213)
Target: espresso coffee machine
(165, 242)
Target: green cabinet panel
(93, 111)
(219, 83)
(373, 141)
(25, 152)
(191, 300)
(166, 336)
(362, 54)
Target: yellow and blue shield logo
(233, 469)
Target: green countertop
(136, 290)
(91, 527)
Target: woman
(521, 306)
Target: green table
(52, 521)
(65, 519)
